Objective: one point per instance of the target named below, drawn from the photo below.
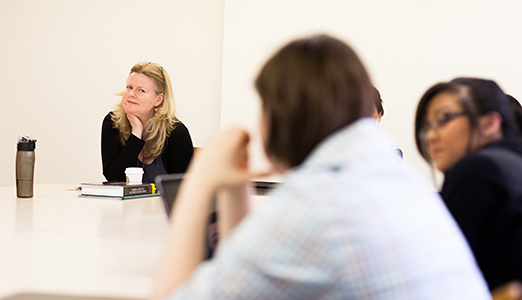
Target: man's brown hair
(309, 89)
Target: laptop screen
(168, 186)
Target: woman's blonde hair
(159, 127)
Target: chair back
(508, 291)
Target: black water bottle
(25, 167)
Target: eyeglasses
(444, 119)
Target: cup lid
(134, 170)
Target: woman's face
(448, 131)
(140, 96)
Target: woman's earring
(156, 108)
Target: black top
(483, 191)
(176, 154)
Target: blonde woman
(143, 130)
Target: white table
(59, 243)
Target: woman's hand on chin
(135, 122)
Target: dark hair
(378, 101)
(517, 110)
(309, 89)
(477, 97)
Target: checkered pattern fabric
(352, 222)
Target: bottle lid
(25, 143)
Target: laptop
(168, 185)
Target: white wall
(407, 45)
(61, 61)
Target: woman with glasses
(466, 129)
(143, 130)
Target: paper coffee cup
(134, 175)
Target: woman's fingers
(135, 122)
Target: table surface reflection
(59, 243)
